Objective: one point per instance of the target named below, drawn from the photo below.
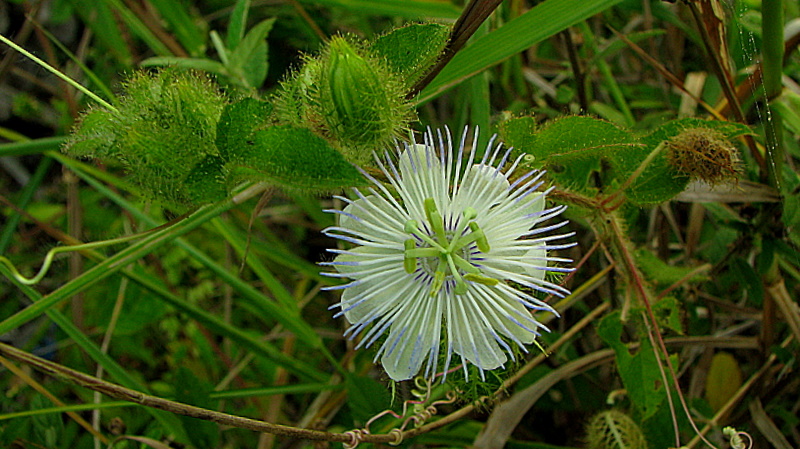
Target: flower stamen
(448, 248)
(436, 221)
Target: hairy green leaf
(571, 148)
(411, 50)
(247, 62)
(639, 371)
(295, 158)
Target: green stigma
(446, 251)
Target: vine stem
(50, 256)
(654, 335)
(473, 15)
(127, 394)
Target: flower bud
(349, 97)
(363, 106)
(703, 153)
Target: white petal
(513, 219)
(381, 288)
(412, 339)
(532, 261)
(482, 187)
(472, 339)
(504, 315)
(372, 219)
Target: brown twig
(577, 70)
(127, 394)
(473, 15)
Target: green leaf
(639, 371)
(669, 314)
(366, 397)
(657, 270)
(237, 23)
(296, 158)
(539, 23)
(571, 148)
(287, 156)
(237, 121)
(411, 50)
(519, 132)
(788, 106)
(189, 389)
(248, 61)
(205, 183)
(93, 136)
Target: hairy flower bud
(348, 97)
(703, 153)
(352, 83)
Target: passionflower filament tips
(448, 253)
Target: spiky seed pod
(703, 153)
(349, 97)
(612, 429)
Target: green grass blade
(29, 147)
(541, 22)
(275, 287)
(24, 199)
(287, 314)
(138, 28)
(189, 30)
(288, 317)
(114, 263)
(114, 370)
(100, 19)
(66, 408)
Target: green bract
(163, 134)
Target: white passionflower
(446, 249)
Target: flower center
(447, 252)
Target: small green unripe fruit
(613, 429)
(703, 153)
